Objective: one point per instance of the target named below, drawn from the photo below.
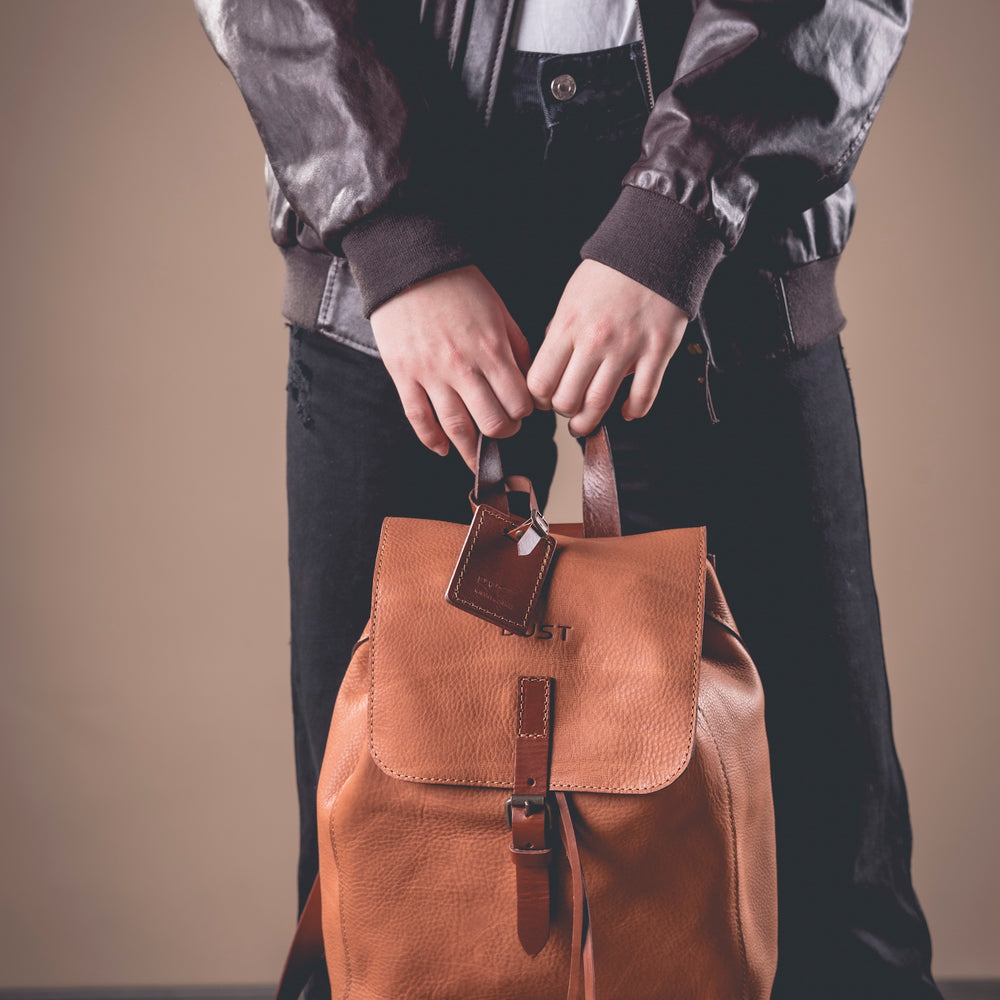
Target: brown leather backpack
(615, 752)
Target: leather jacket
(738, 204)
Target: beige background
(148, 831)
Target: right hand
(457, 359)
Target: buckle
(539, 523)
(531, 804)
(536, 521)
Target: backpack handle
(601, 517)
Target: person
(623, 212)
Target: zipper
(645, 56)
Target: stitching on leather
(736, 866)
(371, 684)
(699, 622)
(544, 734)
(857, 140)
(494, 783)
(495, 616)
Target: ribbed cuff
(396, 246)
(660, 243)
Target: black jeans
(777, 481)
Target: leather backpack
(575, 804)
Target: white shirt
(574, 25)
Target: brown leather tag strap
(501, 570)
(527, 809)
(306, 955)
(582, 955)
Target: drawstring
(712, 415)
(582, 954)
(704, 346)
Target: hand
(457, 358)
(606, 326)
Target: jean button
(563, 87)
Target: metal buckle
(536, 521)
(531, 804)
(527, 539)
(539, 523)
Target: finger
(486, 410)
(417, 409)
(455, 421)
(505, 380)
(645, 387)
(518, 345)
(547, 369)
(579, 373)
(599, 396)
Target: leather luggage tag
(502, 567)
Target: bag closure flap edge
(619, 630)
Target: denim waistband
(601, 94)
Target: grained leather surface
(417, 880)
(626, 673)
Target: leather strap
(601, 516)
(529, 849)
(490, 485)
(306, 954)
(493, 487)
(582, 955)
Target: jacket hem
(306, 282)
(750, 314)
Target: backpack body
(657, 743)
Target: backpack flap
(619, 632)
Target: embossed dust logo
(543, 632)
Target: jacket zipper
(645, 56)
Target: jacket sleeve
(770, 105)
(347, 99)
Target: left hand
(606, 326)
